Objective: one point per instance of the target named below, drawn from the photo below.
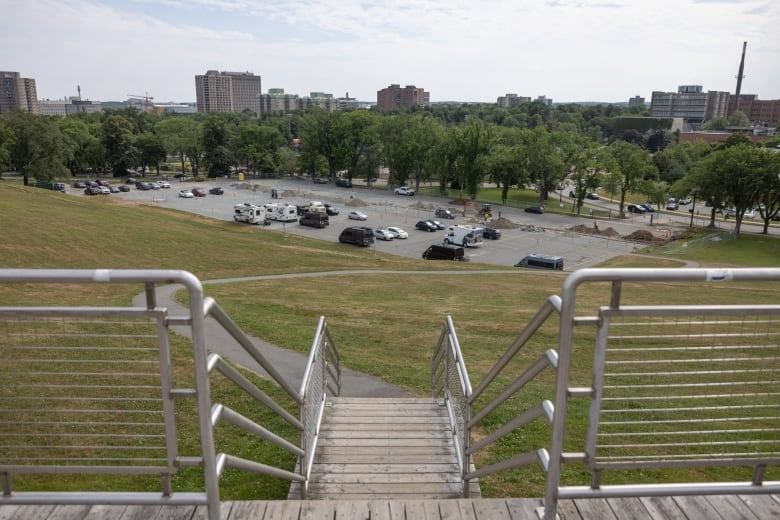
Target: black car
(92, 190)
(79, 184)
(216, 190)
(343, 183)
(592, 196)
(444, 252)
(635, 208)
(330, 210)
(124, 188)
(535, 209)
(491, 233)
(426, 225)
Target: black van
(314, 219)
(360, 236)
(443, 252)
(541, 262)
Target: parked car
(383, 234)
(343, 183)
(672, 205)
(145, 186)
(444, 252)
(321, 180)
(592, 196)
(216, 190)
(426, 225)
(541, 262)
(444, 213)
(331, 210)
(104, 190)
(187, 194)
(648, 208)
(164, 184)
(535, 209)
(684, 201)
(199, 192)
(113, 189)
(491, 233)
(357, 215)
(155, 185)
(91, 190)
(79, 184)
(124, 188)
(635, 208)
(398, 232)
(404, 190)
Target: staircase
(382, 448)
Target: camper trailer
(250, 213)
(281, 212)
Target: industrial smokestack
(740, 74)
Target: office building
(759, 112)
(320, 100)
(394, 97)
(17, 93)
(691, 103)
(276, 101)
(636, 101)
(227, 92)
(66, 107)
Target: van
(359, 236)
(541, 262)
(444, 252)
(314, 219)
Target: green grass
(385, 325)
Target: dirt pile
(641, 235)
(422, 205)
(502, 223)
(355, 203)
(582, 228)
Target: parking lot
(547, 234)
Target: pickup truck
(404, 190)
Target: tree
(149, 150)
(358, 131)
(545, 165)
(181, 135)
(321, 136)
(80, 143)
(36, 147)
(584, 159)
(632, 167)
(473, 141)
(769, 191)
(117, 138)
(215, 140)
(398, 148)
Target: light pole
(289, 129)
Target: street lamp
(693, 207)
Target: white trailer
(281, 212)
(250, 213)
(463, 235)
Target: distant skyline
(458, 50)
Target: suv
(404, 190)
(314, 219)
(359, 236)
(443, 252)
(343, 183)
(444, 213)
(491, 233)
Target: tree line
(455, 147)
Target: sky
(457, 50)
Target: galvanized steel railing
(90, 390)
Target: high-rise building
(511, 100)
(227, 91)
(396, 97)
(691, 103)
(636, 101)
(17, 93)
(321, 100)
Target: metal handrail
(323, 368)
(322, 376)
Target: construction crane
(147, 100)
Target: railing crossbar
(240, 421)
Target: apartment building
(227, 91)
(511, 100)
(394, 97)
(17, 93)
(276, 101)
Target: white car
(104, 190)
(404, 190)
(164, 184)
(357, 215)
(383, 234)
(398, 232)
(187, 194)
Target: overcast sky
(461, 50)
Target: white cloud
(461, 50)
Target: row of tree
(454, 147)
